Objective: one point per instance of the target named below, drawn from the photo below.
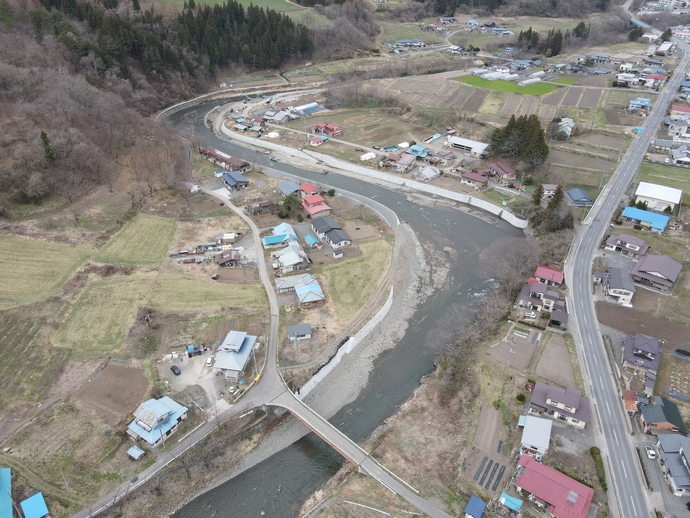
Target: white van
(209, 361)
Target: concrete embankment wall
(347, 347)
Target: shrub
(300, 218)
(599, 465)
(637, 227)
(521, 398)
(531, 380)
(331, 192)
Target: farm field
(113, 304)
(350, 284)
(508, 86)
(34, 270)
(668, 175)
(393, 31)
(579, 161)
(565, 80)
(31, 366)
(144, 239)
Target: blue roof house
(653, 221)
(5, 492)
(417, 150)
(281, 235)
(234, 180)
(579, 197)
(34, 506)
(156, 419)
(475, 507)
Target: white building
(658, 197)
(536, 436)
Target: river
(280, 485)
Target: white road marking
(633, 504)
(601, 383)
(624, 472)
(608, 408)
(615, 436)
(596, 361)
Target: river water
(280, 485)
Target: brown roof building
(565, 404)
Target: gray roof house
(674, 454)
(565, 404)
(627, 245)
(322, 225)
(658, 271)
(299, 332)
(287, 187)
(579, 197)
(641, 352)
(531, 296)
(662, 417)
(619, 286)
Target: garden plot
(555, 98)
(587, 150)
(511, 105)
(631, 321)
(112, 393)
(590, 98)
(493, 103)
(572, 98)
(554, 364)
(579, 161)
(548, 112)
(474, 101)
(598, 140)
(529, 106)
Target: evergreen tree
(556, 199)
(666, 35)
(136, 6)
(537, 195)
(48, 151)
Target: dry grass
(143, 240)
(107, 309)
(33, 270)
(351, 284)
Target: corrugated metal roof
(568, 498)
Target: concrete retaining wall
(348, 347)
(381, 176)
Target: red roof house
(315, 206)
(503, 171)
(319, 127)
(678, 108)
(563, 496)
(308, 189)
(332, 130)
(549, 275)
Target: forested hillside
(78, 81)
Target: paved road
(630, 498)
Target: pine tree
(556, 199)
(537, 195)
(48, 151)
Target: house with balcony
(641, 353)
(630, 246)
(663, 417)
(618, 286)
(674, 457)
(564, 404)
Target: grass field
(33, 270)
(28, 369)
(493, 103)
(352, 283)
(107, 309)
(565, 80)
(668, 175)
(393, 31)
(144, 239)
(507, 86)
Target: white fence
(347, 347)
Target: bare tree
(510, 260)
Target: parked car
(209, 361)
(651, 454)
(531, 314)
(176, 370)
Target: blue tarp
(311, 240)
(35, 506)
(515, 504)
(5, 491)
